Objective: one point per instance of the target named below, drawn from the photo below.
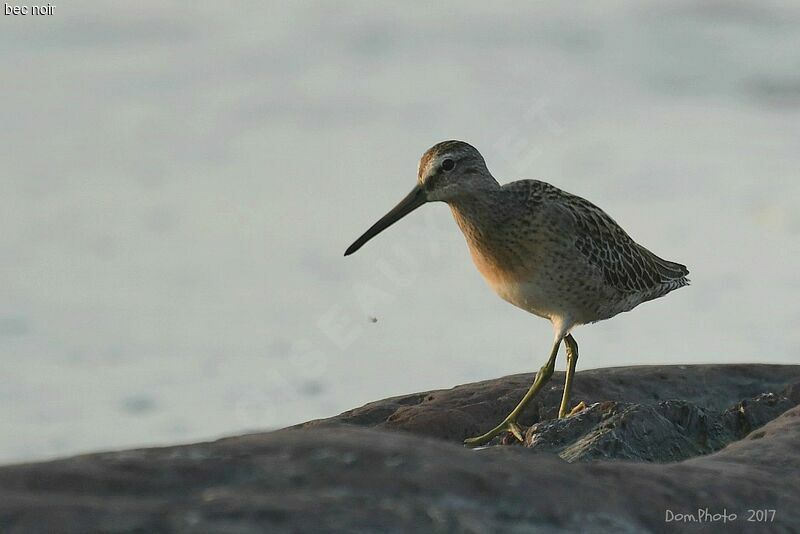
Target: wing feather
(626, 265)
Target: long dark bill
(413, 200)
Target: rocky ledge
(657, 449)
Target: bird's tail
(670, 271)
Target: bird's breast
(518, 264)
(498, 270)
(506, 264)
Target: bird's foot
(577, 409)
(508, 425)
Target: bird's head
(447, 171)
(451, 169)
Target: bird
(540, 248)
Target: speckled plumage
(547, 251)
(542, 249)
(570, 258)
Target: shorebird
(551, 253)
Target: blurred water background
(179, 182)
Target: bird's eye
(448, 165)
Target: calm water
(179, 185)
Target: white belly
(529, 296)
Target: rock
(356, 472)
(666, 431)
(468, 410)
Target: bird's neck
(476, 213)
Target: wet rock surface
(666, 431)
(697, 440)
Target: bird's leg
(572, 359)
(578, 408)
(509, 424)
